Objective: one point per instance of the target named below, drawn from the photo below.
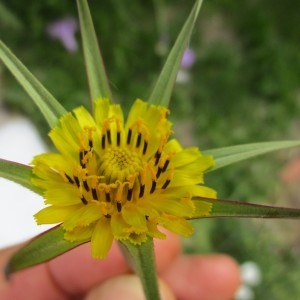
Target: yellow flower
(119, 180)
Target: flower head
(119, 180)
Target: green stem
(141, 259)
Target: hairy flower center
(118, 163)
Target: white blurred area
(19, 141)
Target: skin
(75, 275)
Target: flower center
(119, 163)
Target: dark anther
(69, 178)
(91, 144)
(147, 217)
(77, 181)
(103, 141)
(159, 170)
(166, 165)
(118, 138)
(94, 193)
(129, 194)
(139, 139)
(129, 136)
(153, 186)
(119, 206)
(145, 147)
(86, 186)
(107, 197)
(157, 156)
(108, 216)
(81, 156)
(166, 184)
(108, 136)
(142, 190)
(84, 201)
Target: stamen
(157, 156)
(94, 193)
(153, 186)
(118, 138)
(129, 194)
(142, 190)
(108, 216)
(86, 186)
(81, 156)
(139, 139)
(103, 141)
(129, 136)
(69, 178)
(86, 156)
(159, 170)
(84, 201)
(107, 196)
(77, 181)
(108, 136)
(119, 206)
(165, 185)
(166, 165)
(90, 144)
(145, 147)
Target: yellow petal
(69, 195)
(55, 214)
(102, 238)
(79, 234)
(176, 224)
(202, 209)
(119, 226)
(133, 217)
(82, 217)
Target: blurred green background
(243, 87)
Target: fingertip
(214, 277)
(76, 271)
(125, 287)
(227, 273)
(166, 250)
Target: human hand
(75, 275)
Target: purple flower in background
(64, 30)
(187, 61)
(188, 58)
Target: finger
(125, 287)
(52, 280)
(166, 251)
(31, 284)
(205, 277)
(75, 272)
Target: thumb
(126, 287)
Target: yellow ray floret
(117, 180)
